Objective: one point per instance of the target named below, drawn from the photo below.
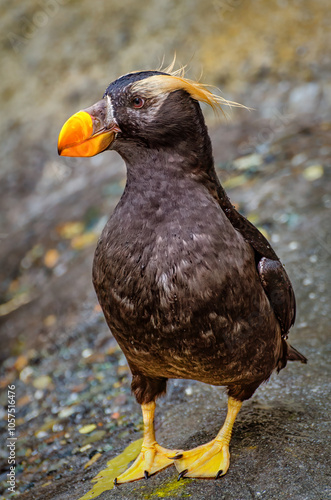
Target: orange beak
(86, 133)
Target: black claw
(220, 472)
(146, 475)
(115, 481)
(177, 457)
(182, 474)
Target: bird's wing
(273, 276)
(279, 291)
(250, 233)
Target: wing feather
(273, 276)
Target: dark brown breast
(180, 291)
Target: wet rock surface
(74, 410)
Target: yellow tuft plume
(163, 84)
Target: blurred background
(57, 57)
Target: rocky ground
(75, 413)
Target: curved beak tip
(78, 139)
(76, 130)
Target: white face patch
(153, 110)
(110, 118)
(149, 114)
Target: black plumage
(188, 286)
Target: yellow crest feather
(161, 84)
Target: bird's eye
(138, 102)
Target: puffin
(189, 287)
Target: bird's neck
(162, 167)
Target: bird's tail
(289, 354)
(294, 355)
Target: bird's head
(148, 108)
